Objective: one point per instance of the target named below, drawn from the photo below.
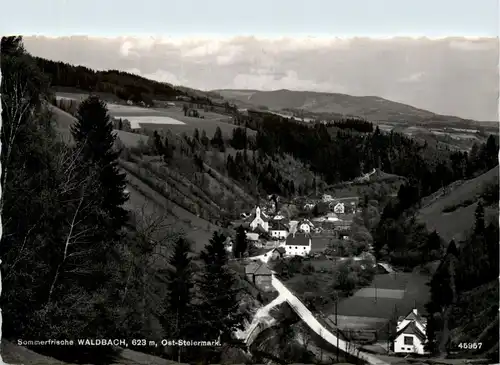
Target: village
(273, 232)
(276, 236)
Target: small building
(298, 244)
(259, 274)
(251, 236)
(308, 206)
(347, 205)
(305, 226)
(410, 336)
(228, 244)
(258, 218)
(258, 229)
(339, 208)
(326, 198)
(278, 230)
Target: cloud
(125, 49)
(455, 76)
(415, 77)
(262, 80)
(159, 75)
(472, 45)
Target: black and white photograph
(249, 199)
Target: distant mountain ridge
(370, 107)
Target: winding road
(261, 321)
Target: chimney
(415, 312)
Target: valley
(310, 227)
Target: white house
(305, 226)
(269, 255)
(297, 244)
(278, 217)
(410, 336)
(278, 230)
(259, 219)
(326, 198)
(251, 236)
(228, 244)
(339, 208)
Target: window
(408, 340)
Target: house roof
(411, 329)
(278, 226)
(305, 221)
(280, 250)
(347, 200)
(414, 317)
(258, 229)
(263, 270)
(251, 267)
(298, 239)
(253, 215)
(257, 268)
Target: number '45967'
(470, 345)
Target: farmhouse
(259, 274)
(344, 205)
(258, 218)
(298, 244)
(410, 336)
(326, 198)
(278, 230)
(272, 254)
(339, 208)
(304, 226)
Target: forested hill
(123, 85)
(343, 154)
(370, 107)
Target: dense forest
(124, 85)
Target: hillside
(369, 107)
(450, 211)
(192, 201)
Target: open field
(353, 322)
(64, 121)
(413, 286)
(380, 293)
(171, 118)
(130, 139)
(319, 243)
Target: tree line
(123, 85)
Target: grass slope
(463, 196)
(369, 107)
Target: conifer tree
(479, 225)
(219, 308)
(178, 305)
(240, 243)
(158, 143)
(93, 134)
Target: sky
(296, 45)
(256, 17)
